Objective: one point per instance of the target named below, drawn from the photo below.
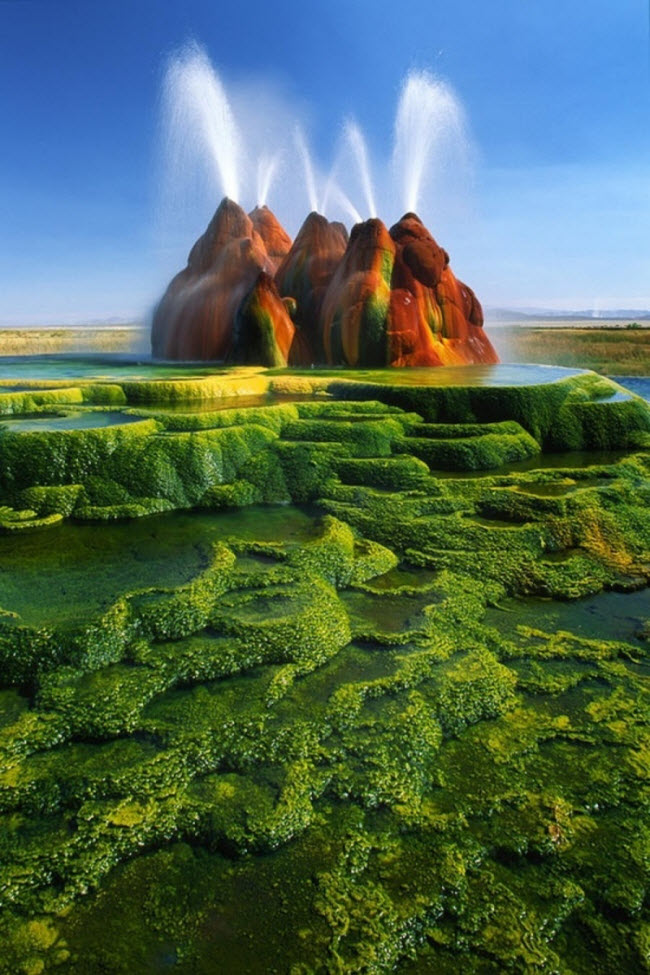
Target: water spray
(429, 118)
(202, 128)
(267, 167)
(354, 136)
(310, 179)
(200, 117)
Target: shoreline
(608, 347)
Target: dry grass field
(58, 340)
(613, 351)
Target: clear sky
(556, 213)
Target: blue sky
(555, 211)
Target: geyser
(250, 148)
(430, 124)
(305, 156)
(267, 166)
(378, 299)
(357, 143)
(248, 294)
(199, 119)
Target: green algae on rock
(409, 718)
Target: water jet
(394, 302)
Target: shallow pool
(77, 420)
(76, 571)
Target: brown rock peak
(318, 235)
(355, 306)
(419, 254)
(307, 270)
(369, 235)
(276, 240)
(229, 222)
(363, 253)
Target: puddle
(570, 460)
(403, 576)
(387, 613)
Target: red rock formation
(263, 331)
(225, 292)
(355, 307)
(380, 299)
(276, 240)
(305, 274)
(434, 318)
(394, 301)
(228, 223)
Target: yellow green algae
(367, 690)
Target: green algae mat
(324, 673)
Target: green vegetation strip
(350, 737)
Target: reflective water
(568, 460)
(99, 366)
(388, 613)
(223, 403)
(605, 616)
(86, 420)
(505, 374)
(116, 367)
(78, 570)
(636, 384)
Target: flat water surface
(74, 571)
(569, 460)
(504, 374)
(605, 616)
(130, 367)
(82, 420)
(99, 367)
(636, 384)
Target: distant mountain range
(605, 314)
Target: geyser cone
(263, 328)
(434, 318)
(394, 301)
(199, 318)
(230, 222)
(222, 295)
(275, 238)
(421, 257)
(307, 270)
(354, 316)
